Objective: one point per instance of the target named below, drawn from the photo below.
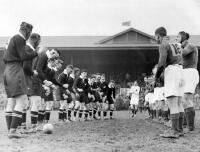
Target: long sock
(34, 117)
(111, 113)
(99, 113)
(40, 116)
(174, 119)
(64, 114)
(43, 115)
(69, 113)
(94, 112)
(47, 115)
(86, 114)
(184, 121)
(24, 117)
(16, 118)
(75, 112)
(90, 113)
(180, 121)
(190, 114)
(133, 111)
(8, 119)
(60, 114)
(105, 113)
(80, 113)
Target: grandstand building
(130, 52)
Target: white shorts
(134, 100)
(173, 81)
(191, 80)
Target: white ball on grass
(48, 128)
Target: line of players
(77, 92)
(177, 72)
(30, 76)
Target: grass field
(121, 134)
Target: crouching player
(81, 87)
(66, 82)
(134, 93)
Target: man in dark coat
(14, 78)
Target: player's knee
(10, 104)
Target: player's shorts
(173, 81)
(29, 82)
(36, 87)
(49, 97)
(191, 80)
(97, 97)
(14, 80)
(133, 106)
(134, 100)
(110, 101)
(84, 98)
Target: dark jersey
(66, 79)
(83, 84)
(15, 51)
(27, 64)
(110, 93)
(103, 88)
(50, 75)
(41, 66)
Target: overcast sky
(99, 17)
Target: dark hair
(187, 36)
(98, 73)
(184, 36)
(26, 26)
(56, 51)
(103, 75)
(75, 69)
(70, 66)
(92, 76)
(112, 81)
(161, 31)
(84, 70)
(35, 36)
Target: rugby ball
(48, 128)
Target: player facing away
(170, 62)
(14, 78)
(134, 93)
(191, 76)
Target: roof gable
(129, 36)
